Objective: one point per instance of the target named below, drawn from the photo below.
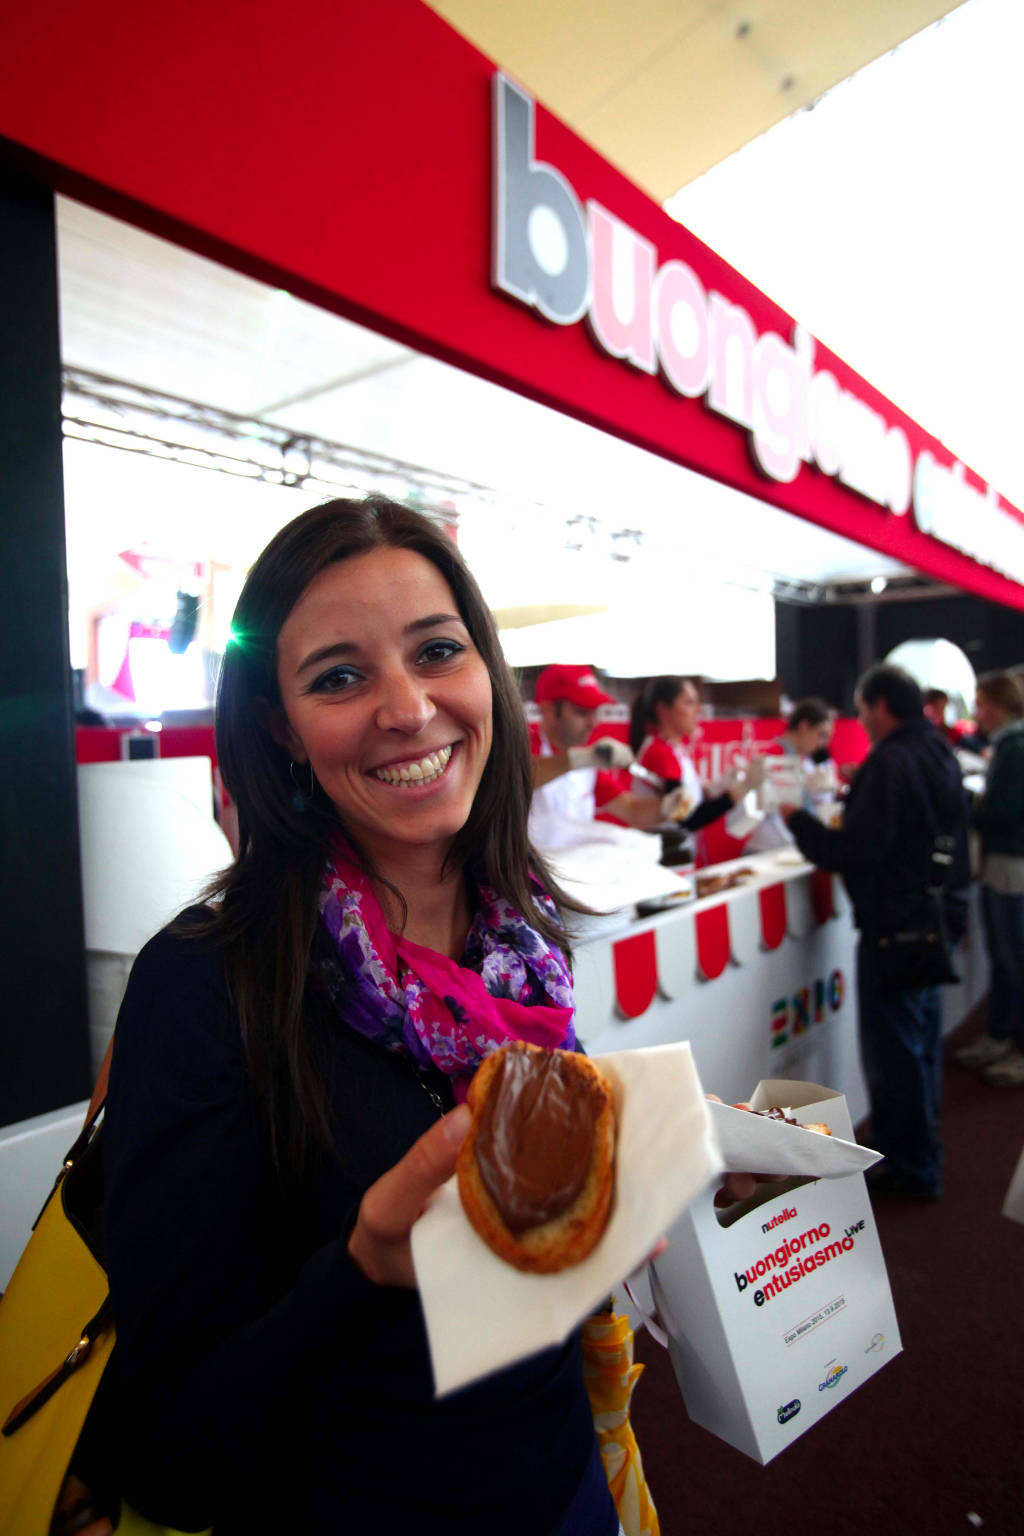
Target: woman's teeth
(423, 772)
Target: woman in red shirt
(663, 714)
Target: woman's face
(385, 694)
(809, 738)
(680, 717)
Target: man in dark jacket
(907, 793)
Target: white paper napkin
(751, 1144)
(482, 1313)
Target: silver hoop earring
(302, 797)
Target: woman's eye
(336, 680)
(440, 650)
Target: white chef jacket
(562, 811)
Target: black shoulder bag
(918, 951)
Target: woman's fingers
(740, 1186)
(76, 1514)
(736, 1186)
(380, 1239)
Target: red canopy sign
(346, 153)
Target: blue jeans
(901, 1051)
(1003, 917)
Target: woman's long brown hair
(264, 911)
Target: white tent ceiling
(666, 88)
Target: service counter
(760, 979)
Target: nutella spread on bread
(535, 1172)
(536, 1136)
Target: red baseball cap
(577, 684)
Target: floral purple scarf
(510, 984)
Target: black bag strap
(92, 1114)
(944, 844)
(41, 1394)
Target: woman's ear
(275, 722)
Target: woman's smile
(424, 770)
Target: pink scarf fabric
(511, 985)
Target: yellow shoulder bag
(56, 1337)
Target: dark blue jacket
(908, 789)
(260, 1383)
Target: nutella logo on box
(574, 262)
(784, 1215)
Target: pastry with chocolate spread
(535, 1170)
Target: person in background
(936, 703)
(805, 740)
(998, 816)
(907, 793)
(565, 768)
(664, 716)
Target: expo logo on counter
(793, 1016)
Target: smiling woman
(290, 1061)
(385, 695)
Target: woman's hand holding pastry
(390, 1208)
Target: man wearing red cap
(565, 768)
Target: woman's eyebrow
(336, 648)
(341, 648)
(430, 621)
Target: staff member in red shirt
(664, 713)
(566, 769)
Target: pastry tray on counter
(669, 901)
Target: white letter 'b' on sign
(541, 256)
